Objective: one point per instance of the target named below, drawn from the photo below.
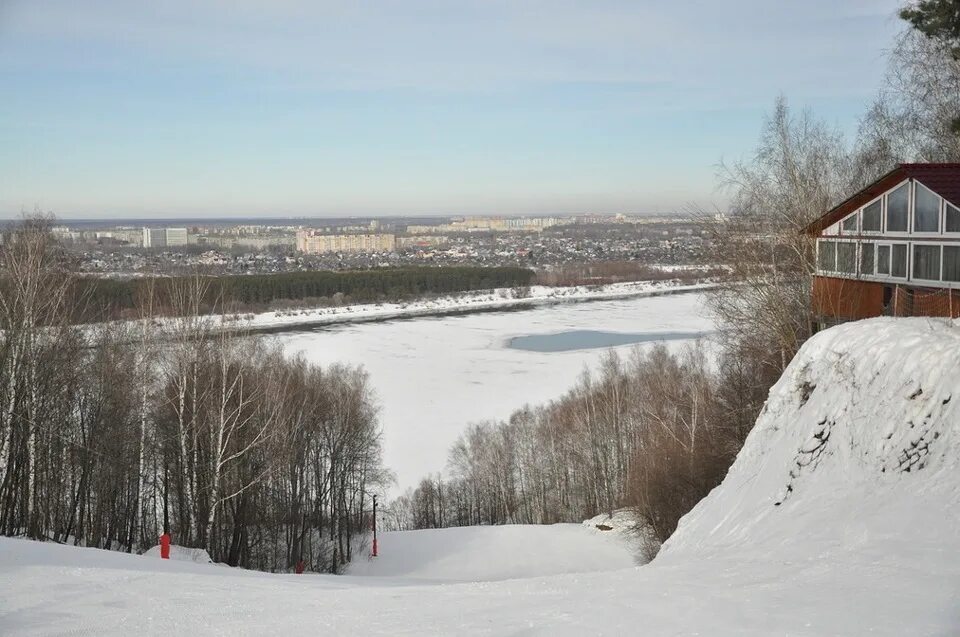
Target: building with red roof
(892, 248)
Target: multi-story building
(164, 237)
(488, 224)
(154, 238)
(422, 241)
(176, 236)
(313, 242)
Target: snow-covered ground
(495, 553)
(841, 516)
(434, 375)
(465, 302)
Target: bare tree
(915, 115)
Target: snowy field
(840, 516)
(434, 375)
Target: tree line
(656, 432)
(100, 299)
(111, 434)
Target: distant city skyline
(291, 108)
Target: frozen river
(434, 375)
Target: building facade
(164, 237)
(488, 224)
(893, 248)
(175, 237)
(313, 242)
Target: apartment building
(313, 242)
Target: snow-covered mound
(491, 553)
(624, 525)
(620, 522)
(181, 554)
(856, 450)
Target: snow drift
(857, 449)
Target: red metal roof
(943, 179)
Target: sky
(179, 108)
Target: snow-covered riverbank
(477, 301)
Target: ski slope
(485, 554)
(818, 529)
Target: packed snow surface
(435, 375)
(492, 553)
(839, 517)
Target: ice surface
(434, 375)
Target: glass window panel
(951, 263)
(898, 260)
(866, 258)
(871, 217)
(850, 223)
(926, 210)
(847, 257)
(827, 256)
(926, 262)
(897, 205)
(953, 219)
(883, 259)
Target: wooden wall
(847, 298)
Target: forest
(653, 431)
(98, 299)
(113, 433)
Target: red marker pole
(374, 553)
(165, 546)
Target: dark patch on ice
(592, 339)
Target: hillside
(857, 449)
(840, 516)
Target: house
(893, 248)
